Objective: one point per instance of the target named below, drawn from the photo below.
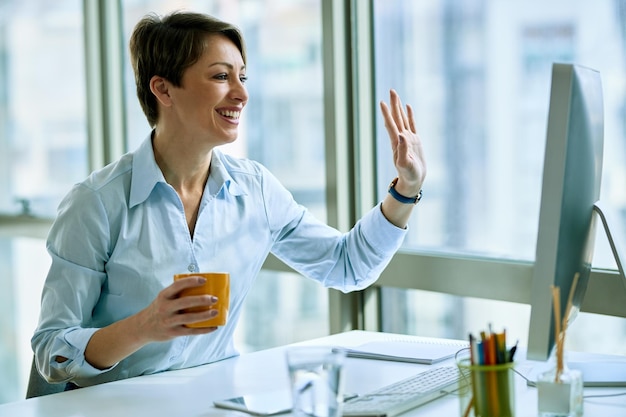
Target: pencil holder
(486, 390)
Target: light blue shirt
(121, 235)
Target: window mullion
(365, 113)
(339, 128)
(105, 92)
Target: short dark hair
(166, 46)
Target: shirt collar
(221, 176)
(146, 174)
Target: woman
(109, 307)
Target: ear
(160, 87)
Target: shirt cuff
(380, 232)
(76, 365)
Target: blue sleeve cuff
(76, 366)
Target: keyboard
(404, 395)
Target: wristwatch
(399, 197)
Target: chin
(228, 141)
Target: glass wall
(478, 75)
(282, 127)
(42, 104)
(43, 151)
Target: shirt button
(191, 268)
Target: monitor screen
(571, 186)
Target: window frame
(465, 276)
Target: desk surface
(190, 392)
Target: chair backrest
(37, 386)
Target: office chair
(37, 386)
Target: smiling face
(212, 95)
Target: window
(478, 76)
(43, 152)
(43, 137)
(282, 127)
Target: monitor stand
(598, 370)
(608, 218)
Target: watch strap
(399, 197)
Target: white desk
(190, 392)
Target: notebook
(426, 351)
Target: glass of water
(316, 379)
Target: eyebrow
(226, 64)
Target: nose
(239, 91)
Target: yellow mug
(217, 284)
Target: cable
(617, 394)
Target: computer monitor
(572, 175)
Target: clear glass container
(562, 395)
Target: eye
(243, 79)
(222, 76)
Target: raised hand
(406, 145)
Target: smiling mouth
(230, 114)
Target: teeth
(229, 113)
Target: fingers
(392, 129)
(399, 115)
(396, 119)
(406, 145)
(409, 110)
(171, 312)
(191, 308)
(181, 299)
(182, 318)
(175, 319)
(193, 302)
(173, 291)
